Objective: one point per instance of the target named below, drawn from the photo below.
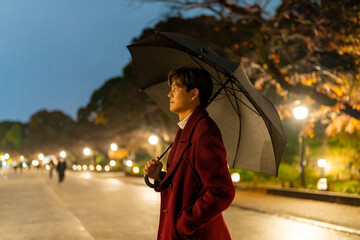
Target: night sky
(54, 54)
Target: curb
(348, 199)
(303, 220)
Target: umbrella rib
(238, 99)
(239, 136)
(217, 81)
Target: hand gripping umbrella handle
(146, 177)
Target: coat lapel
(184, 140)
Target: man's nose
(170, 94)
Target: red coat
(197, 186)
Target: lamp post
(322, 163)
(301, 113)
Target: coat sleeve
(211, 165)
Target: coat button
(165, 211)
(171, 185)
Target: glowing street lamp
(322, 164)
(136, 170)
(113, 147)
(87, 151)
(7, 156)
(235, 177)
(129, 163)
(22, 158)
(98, 168)
(41, 156)
(300, 113)
(153, 140)
(112, 163)
(63, 154)
(107, 168)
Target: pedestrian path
(30, 210)
(339, 217)
(334, 215)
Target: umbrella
(252, 131)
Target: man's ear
(195, 94)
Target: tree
(119, 112)
(300, 51)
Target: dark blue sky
(54, 54)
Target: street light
(87, 151)
(7, 156)
(136, 170)
(322, 163)
(129, 163)
(153, 140)
(235, 177)
(113, 147)
(112, 163)
(41, 156)
(63, 154)
(300, 113)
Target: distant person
(61, 167)
(14, 164)
(52, 166)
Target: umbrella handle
(147, 181)
(146, 177)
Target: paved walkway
(340, 215)
(30, 209)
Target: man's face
(180, 99)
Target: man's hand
(153, 169)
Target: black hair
(193, 78)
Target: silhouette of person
(60, 168)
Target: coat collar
(198, 113)
(184, 140)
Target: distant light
(322, 184)
(85, 167)
(74, 167)
(87, 151)
(113, 147)
(87, 175)
(136, 170)
(235, 177)
(3, 163)
(47, 167)
(129, 163)
(322, 163)
(98, 168)
(63, 154)
(7, 156)
(112, 163)
(79, 168)
(41, 156)
(35, 162)
(153, 140)
(24, 164)
(300, 112)
(91, 167)
(107, 168)
(22, 158)
(2, 158)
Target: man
(197, 186)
